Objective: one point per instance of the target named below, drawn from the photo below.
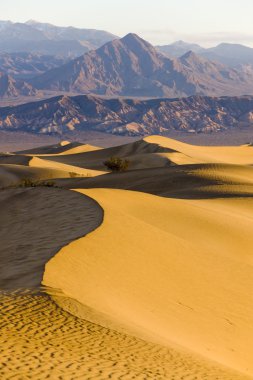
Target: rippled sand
(41, 341)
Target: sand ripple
(41, 341)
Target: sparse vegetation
(73, 175)
(77, 175)
(117, 164)
(27, 182)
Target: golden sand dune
(39, 340)
(168, 270)
(189, 154)
(157, 151)
(137, 153)
(68, 169)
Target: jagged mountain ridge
(129, 116)
(133, 67)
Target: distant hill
(179, 48)
(28, 65)
(11, 88)
(129, 116)
(131, 66)
(47, 39)
(232, 55)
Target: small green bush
(117, 164)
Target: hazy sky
(206, 22)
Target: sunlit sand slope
(189, 154)
(68, 169)
(34, 224)
(169, 270)
(40, 341)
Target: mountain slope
(133, 67)
(129, 116)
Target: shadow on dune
(35, 223)
(197, 181)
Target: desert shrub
(27, 182)
(73, 174)
(116, 164)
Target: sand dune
(162, 289)
(67, 169)
(189, 154)
(183, 278)
(157, 151)
(135, 152)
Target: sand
(161, 288)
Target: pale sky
(206, 22)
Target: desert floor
(142, 274)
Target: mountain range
(129, 116)
(233, 55)
(110, 66)
(131, 66)
(47, 39)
